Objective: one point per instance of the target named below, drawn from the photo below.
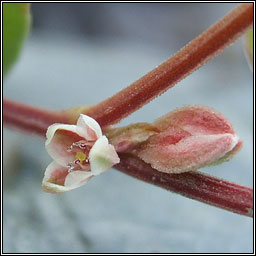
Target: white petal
(53, 128)
(76, 179)
(102, 156)
(88, 128)
(53, 188)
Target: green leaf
(16, 23)
(248, 38)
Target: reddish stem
(23, 125)
(188, 59)
(30, 119)
(195, 185)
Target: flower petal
(57, 179)
(54, 127)
(102, 156)
(76, 179)
(88, 128)
(54, 178)
(188, 154)
(59, 138)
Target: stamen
(81, 144)
(77, 161)
(70, 167)
(80, 156)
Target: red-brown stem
(195, 185)
(188, 59)
(30, 119)
(23, 125)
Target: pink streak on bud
(195, 119)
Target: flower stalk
(192, 56)
(110, 111)
(30, 119)
(195, 185)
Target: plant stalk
(195, 185)
(196, 53)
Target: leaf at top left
(16, 24)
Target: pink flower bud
(189, 138)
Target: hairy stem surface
(200, 50)
(30, 119)
(195, 185)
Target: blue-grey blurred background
(79, 54)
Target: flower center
(80, 156)
(81, 148)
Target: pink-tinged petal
(54, 178)
(196, 120)
(187, 154)
(59, 138)
(53, 128)
(57, 179)
(102, 156)
(88, 128)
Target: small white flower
(79, 153)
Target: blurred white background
(79, 54)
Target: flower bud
(190, 138)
